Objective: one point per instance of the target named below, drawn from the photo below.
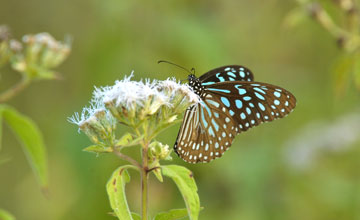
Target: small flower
(97, 123)
(159, 151)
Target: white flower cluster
(38, 54)
(129, 93)
(133, 102)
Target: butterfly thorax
(195, 84)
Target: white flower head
(132, 103)
(139, 95)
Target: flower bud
(106, 121)
(89, 131)
(112, 108)
(160, 151)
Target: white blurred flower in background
(317, 138)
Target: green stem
(8, 94)
(144, 182)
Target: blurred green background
(305, 166)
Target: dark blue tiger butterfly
(231, 103)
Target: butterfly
(231, 103)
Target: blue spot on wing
(211, 131)
(213, 103)
(216, 126)
(207, 108)
(207, 83)
(225, 101)
(260, 90)
(247, 98)
(243, 116)
(262, 107)
(259, 96)
(219, 90)
(231, 74)
(222, 79)
(241, 90)
(238, 103)
(277, 94)
(203, 118)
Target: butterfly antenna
(168, 62)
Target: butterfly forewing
(251, 103)
(227, 73)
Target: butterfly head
(195, 84)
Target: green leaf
(32, 141)
(98, 149)
(127, 140)
(157, 173)
(124, 140)
(5, 215)
(116, 192)
(172, 214)
(185, 182)
(135, 216)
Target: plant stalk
(144, 182)
(8, 94)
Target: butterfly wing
(204, 134)
(227, 73)
(252, 103)
(228, 108)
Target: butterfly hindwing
(227, 73)
(204, 135)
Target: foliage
(31, 138)
(4, 215)
(34, 60)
